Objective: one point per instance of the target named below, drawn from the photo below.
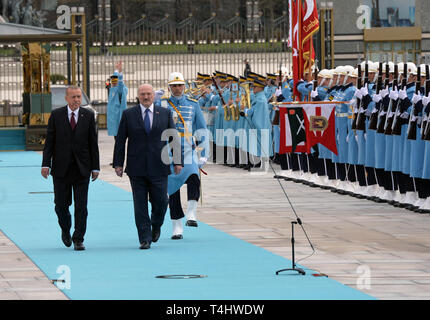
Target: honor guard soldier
(189, 121)
(117, 101)
(260, 125)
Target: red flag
(292, 130)
(295, 43)
(320, 126)
(309, 26)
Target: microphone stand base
(300, 271)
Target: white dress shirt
(69, 113)
(150, 113)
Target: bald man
(148, 129)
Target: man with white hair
(191, 127)
(142, 129)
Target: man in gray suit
(146, 127)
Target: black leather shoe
(145, 245)
(422, 211)
(67, 239)
(79, 246)
(177, 237)
(155, 234)
(191, 223)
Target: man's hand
(118, 171)
(177, 169)
(212, 108)
(94, 175)
(118, 66)
(45, 172)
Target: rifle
(374, 116)
(426, 135)
(396, 128)
(389, 117)
(354, 117)
(427, 91)
(315, 81)
(275, 120)
(384, 109)
(361, 118)
(412, 126)
(224, 105)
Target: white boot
(389, 195)
(400, 197)
(191, 214)
(361, 190)
(379, 192)
(349, 187)
(343, 186)
(319, 180)
(411, 197)
(177, 228)
(419, 202)
(426, 204)
(371, 190)
(283, 174)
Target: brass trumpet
(245, 99)
(227, 113)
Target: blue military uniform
(117, 103)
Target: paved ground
(381, 250)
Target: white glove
(377, 98)
(383, 93)
(278, 92)
(202, 161)
(416, 98)
(368, 112)
(404, 115)
(402, 94)
(364, 91)
(314, 93)
(358, 94)
(426, 100)
(394, 95)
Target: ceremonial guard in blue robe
(258, 116)
(117, 101)
(192, 129)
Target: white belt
(342, 115)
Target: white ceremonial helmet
(176, 78)
(354, 73)
(363, 64)
(338, 70)
(400, 67)
(390, 67)
(412, 68)
(348, 70)
(325, 73)
(373, 66)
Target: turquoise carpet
(113, 267)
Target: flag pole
(299, 21)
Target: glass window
(391, 13)
(397, 50)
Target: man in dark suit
(147, 128)
(71, 156)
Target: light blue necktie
(147, 122)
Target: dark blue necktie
(146, 122)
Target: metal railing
(150, 52)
